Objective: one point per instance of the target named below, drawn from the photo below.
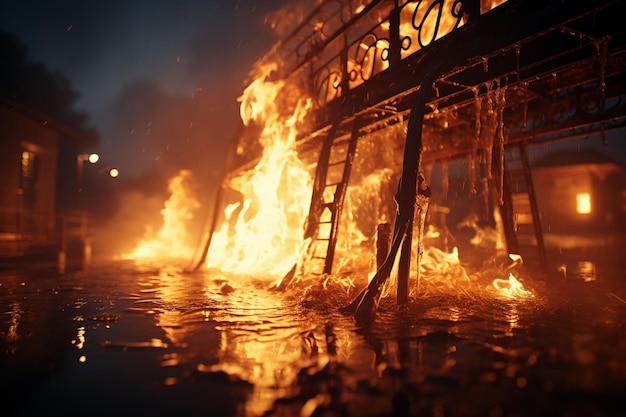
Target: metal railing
(343, 44)
(42, 234)
(23, 224)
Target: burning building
(360, 122)
(387, 149)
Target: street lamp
(79, 219)
(92, 158)
(111, 171)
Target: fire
(443, 269)
(263, 232)
(172, 240)
(511, 288)
(486, 5)
(443, 272)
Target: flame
(443, 272)
(172, 240)
(486, 5)
(511, 288)
(263, 233)
(440, 270)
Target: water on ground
(124, 339)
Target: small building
(29, 154)
(580, 192)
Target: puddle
(149, 341)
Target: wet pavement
(125, 339)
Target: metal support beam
(541, 248)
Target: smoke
(138, 213)
(287, 18)
(160, 81)
(169, 133)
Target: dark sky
(158, 79)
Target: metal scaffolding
(555, 69)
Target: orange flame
(511, 288)
(172, 240)
(263, 232)
(276, 193)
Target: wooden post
(63, 252)
(84, 224)
(383, 241)
(502, 198)
(404, 267)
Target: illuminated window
(583, 203)
(28, 178)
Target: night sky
(159, 80)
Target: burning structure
(385, 148)
(358, 119)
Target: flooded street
(377, 177)
(126, 339)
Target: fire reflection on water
(250, 334)
(12, 334)
(187, 334)
(281, 346)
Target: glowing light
(583, 203)
(263, 233)
(172, 239)
(114, 172)
(92, 158)
(79, 342)
(16, 313)
(511, 288)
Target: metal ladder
(333, 175)
(524, 207)
(329, 190)
(331, 183)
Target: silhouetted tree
(34, 84)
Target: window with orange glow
(583, 203)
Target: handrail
(343, 52)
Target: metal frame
(558, 65)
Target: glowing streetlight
(114, 172)
(92, 158)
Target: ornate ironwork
(559, 75)
(343, 44)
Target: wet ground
(128, 340)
